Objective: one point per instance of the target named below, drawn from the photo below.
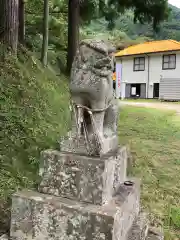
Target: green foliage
(153, 11)
(143, 10)
(34, 114)
(175, 216)
(89, 9)
(120, 39)
(168, 29)
(57, 31)
(172, 221)
(57, 26)
(127, 33)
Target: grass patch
(34, 114)
(154, 142)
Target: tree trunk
(44, 53)
(9, 23)
(73, 31)
(21, 21)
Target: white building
(146, 65)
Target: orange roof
(150, 47)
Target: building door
(156, 90)
(135, 90)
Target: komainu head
(95, 55)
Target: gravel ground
(160, 105)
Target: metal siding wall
(143, 90)
(128, 91)
(169, 89)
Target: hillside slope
(168, 29)
(126, 31)
(34, 114)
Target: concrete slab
(39, 216)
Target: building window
(169, 62)
(139, 64)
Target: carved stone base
(81, 198)
(89, 179)
(44, 217)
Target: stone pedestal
(82, 178)
(42, 216)
(80, 198)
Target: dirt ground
(157, 105)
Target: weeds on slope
(34, 113)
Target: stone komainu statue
(95, 110)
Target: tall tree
(153, 11)
(78, 10)
(9, 22)
(73, 31)
(44, 53)
(21, 21)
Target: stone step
(82, 178)
(39, 216)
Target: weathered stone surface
(139, 229)
(4, 237)
(95, 110)
(88, 179)
(78, 145)
(154, 234)
(38, 216)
